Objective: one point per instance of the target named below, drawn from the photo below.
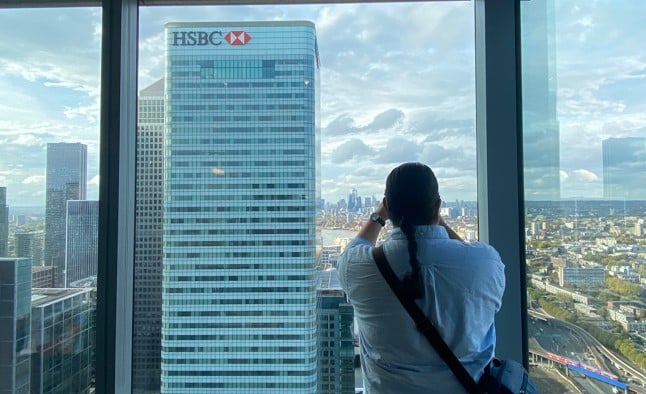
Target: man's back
(464, 284)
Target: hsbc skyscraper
(241, 154)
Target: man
(458, 285)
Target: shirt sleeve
(357, 250)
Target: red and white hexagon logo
(237, 37)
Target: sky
(397, 85)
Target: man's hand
(370, 229)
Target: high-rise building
(43, 277)
(541, 135)
(4, 223)
(335, 317)
(146, 335)
(352, 200)
(329, 256)
(81, 240)
(240, 208)
(29, 244)
(62, 336)
(66, 180)
(624, 168)
(15, 321)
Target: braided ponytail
(411, 195)
(412, 280)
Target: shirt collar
(425, 231)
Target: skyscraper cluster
(47, 337)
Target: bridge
(577, 366)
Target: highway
(568, 340)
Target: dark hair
(411, 193)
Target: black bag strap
(423, 323)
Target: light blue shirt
(464, 283)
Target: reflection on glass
(585, 190)
(261, 146)
(49, 129)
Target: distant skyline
(397, 84)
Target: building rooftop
(156, 89)
(328, 280)
(44, 297)
(40, 268)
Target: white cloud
(411, 64)
(26, 139)
(34, 179)
(583, 175)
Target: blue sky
(397, 84)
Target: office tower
(335, 336)
(146, 338)
(62, 335)
(4, 223)
(239, 208)
(29, 244)
(81, 240)
(43, 277)
(540, 123)
(352, 201)
(15, 320)
(329, 256)
(624, 168)
(66, 180)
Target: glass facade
(30, 244)
(238, 312)
(335, 338)
(15, 321)
(62, 332)
(81, 232)
(4, 223)
(624, 167)
(146, 342)
(66, 180)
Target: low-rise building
(62, 335)
(582, 276)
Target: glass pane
(265, 135)
(49, 164)
(585, 190)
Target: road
(568, 340)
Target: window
(270, 128)
(585, 190)
(49, 179)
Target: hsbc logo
(237, 37)
(214, 38)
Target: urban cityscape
(235, 282)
